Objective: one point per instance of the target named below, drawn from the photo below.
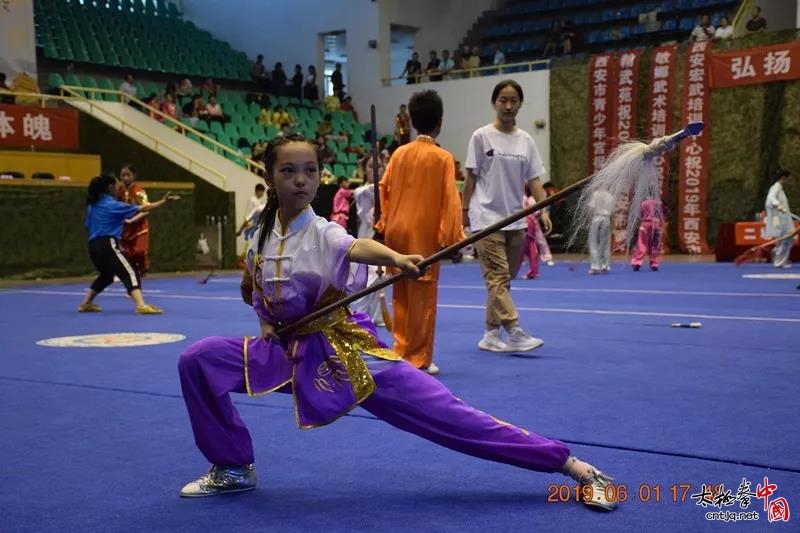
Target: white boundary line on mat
(460, 306)
(517, 288)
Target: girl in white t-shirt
(501, 160)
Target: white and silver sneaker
(431, 369)
(492, 342)
(220, 480)
(519, 341)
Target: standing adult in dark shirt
(757, 23)
(413, 70)
(296, 88)
(337, 81)
(278, 80)
(105, 217)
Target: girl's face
(295, 176)
(127, 176)
(507, 104)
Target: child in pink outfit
(529, 246)
(651, 212)
(341, 203)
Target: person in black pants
(105, 217)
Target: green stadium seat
(340, 171)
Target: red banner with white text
(623, 128)
(602, 91)
(659, 105)
(23, 127)
(756, 65)
(694, 157)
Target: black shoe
(654, 268)
(635, 268)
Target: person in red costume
(135, 239)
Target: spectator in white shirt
(129, 88)
(446, 64)
(702, 32)
(725, 30)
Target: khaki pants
(500, 254)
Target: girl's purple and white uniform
(333, 364)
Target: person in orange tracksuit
(421, 214)
(135, 240)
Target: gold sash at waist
(348, 340)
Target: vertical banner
(659, 105)
(17, 39)
(694, 159)
(623, 128)
(602, 85)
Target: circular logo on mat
(112, 340)
(771, 276)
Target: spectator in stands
(337, 81)
(413, 70)
(214, 111)
(185, 87)
(331, 103)
(153, 105)
(325, 127)
(475, 61)
(196, 110)
(171, 87)
(278, 80)
(324, 152)
(725, 30)
(347, 107)
(258, 73)
(296, 86)
(446, 64)
(265, 117)
(310, 89)
(128, 87)
(282, 119)
(499, 58)
(463, 61)
(432, 70)
(210, 87)
(757, 23)
(702, 32)
(554, 39)
(169, 108)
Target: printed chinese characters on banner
(694, 159)
(756, 65)
(23, 127)
(602, 86)
(659, 105)
(623, 129)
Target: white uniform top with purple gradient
(299, 264)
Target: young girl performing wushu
(299, 262)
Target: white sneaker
(492, 342)
(432, 369)
(519, 341)
(550, 263)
